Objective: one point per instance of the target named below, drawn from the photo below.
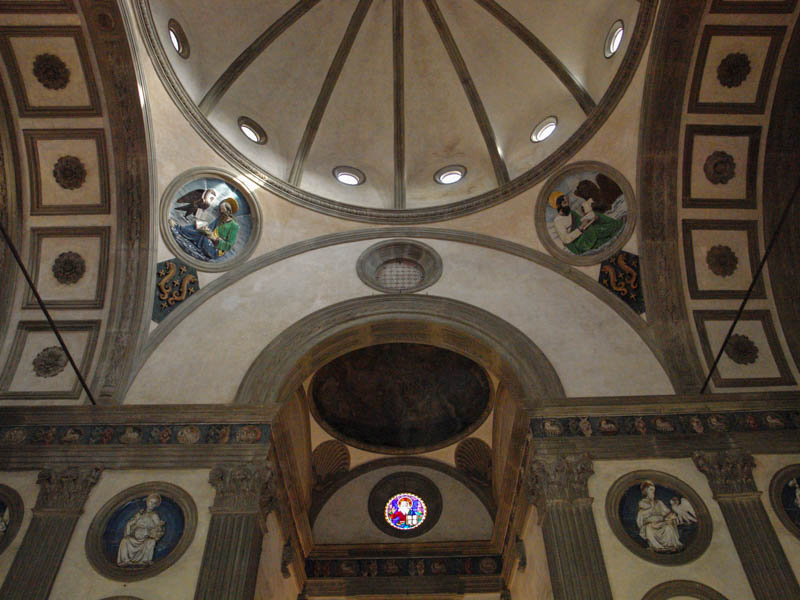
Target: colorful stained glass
(405, 511)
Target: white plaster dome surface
(395, 89)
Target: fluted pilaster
(730, 475)
(62, 494)
(558, 488)
(245, 495)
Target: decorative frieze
(665, 425)
(81, 434)
(404, 567)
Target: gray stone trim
(113, 49)
(233, 545)
(615, 91)
(671, 589)
(322, 336)
(10, 212)
(58, 507)
(662, 108)
(730, 475)
(94, 537)
(675, 371)
(558, 487)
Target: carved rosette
(65, 489)
(69, 267)
(50, 362)
(729, 472)
(558, 479)
(741, 349)
(69, 172)
(51, 71)
(722, 260)
(243, 488)
(719, 167)
(733, 69)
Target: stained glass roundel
(405, 511)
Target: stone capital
(558, 478)
(243, 487)
(729, 472)
(65, 490)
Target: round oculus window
(252, 130)
(544, 129)
(614, 39)
(349, 176)
(178, 38)
(405, 511)
(450, 174)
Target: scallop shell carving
(329, 461)
(474, 458)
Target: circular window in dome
(349, 175)
(450, 174)
(544, 129)
(405, 511)
(399, 266)
(405, 504)
(252, 130)
(178, 38)
(614, 39)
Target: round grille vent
(399, 266)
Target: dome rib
(475, 102)
(252, 52)
(566, 77)
(327, 89)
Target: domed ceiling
(400, 398)
(397, 90)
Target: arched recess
(317, 339)
(485, 498)
(677, 588)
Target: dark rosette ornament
(741, 349)
(51, 71)
(722, 260)
(733, 69)
(49, 362)
(719, 167)
(69, 172)
(69, 267)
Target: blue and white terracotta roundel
(405, 511)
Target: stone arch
(335, 330)
(672, 589)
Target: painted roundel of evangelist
(405, 511)
(209, 219)
(585, 213)
(11, 511)
(658, 517)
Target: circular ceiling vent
(399, 266)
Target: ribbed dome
(397, 90)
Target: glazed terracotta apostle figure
(657, 523)
(142, 532)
